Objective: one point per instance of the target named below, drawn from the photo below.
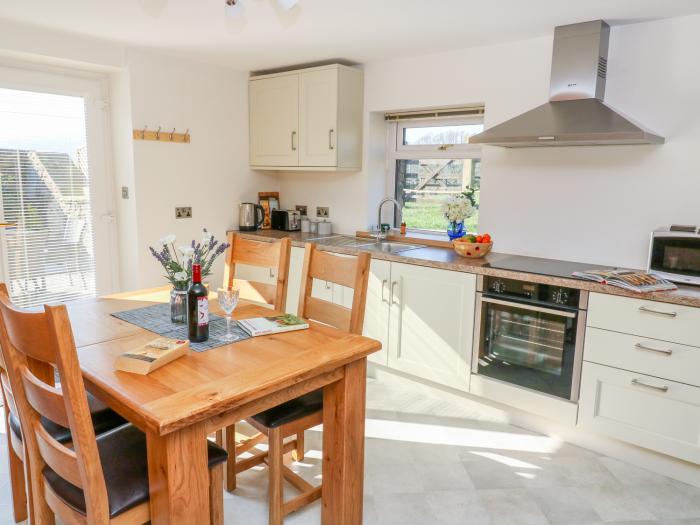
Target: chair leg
(216, 495)
(298, 453)
(18, 484)
(275, 460)
(229, 439)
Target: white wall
(593, 204)
(210, 174)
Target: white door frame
(94, 88)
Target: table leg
(344, 446)
(178, 476)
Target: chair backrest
(352, 272)
(34, 345)
(271, 255)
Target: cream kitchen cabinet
(274, 121)
(322, 289)
(377, 309)
(431, 322)
(308, 119)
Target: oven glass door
(529, 346)
(676, 255)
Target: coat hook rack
(144, 134)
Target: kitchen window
(430, 160)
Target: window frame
(396, 150)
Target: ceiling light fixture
(234, 9)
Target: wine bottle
(197, 307)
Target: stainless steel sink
(391, 247)
(364, 243)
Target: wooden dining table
(181, 404)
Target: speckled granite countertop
(534, 269)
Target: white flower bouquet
(458, 208)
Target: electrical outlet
(301, 209)
(125, 192)
(184, 212)
(322, 211)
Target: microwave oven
(674, 254)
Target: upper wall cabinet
(309, 119)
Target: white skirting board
(644, 458)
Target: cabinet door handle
(384, 283)
(648, 310)
(391, 298)
(272, 274)
(330, 139)
(328, 285)
(637, 382)
(294, 146)
(642, 346)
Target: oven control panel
(535, 292)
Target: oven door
(531, 346)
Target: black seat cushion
(124, 463)
(103, 419)
(291, 410)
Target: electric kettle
(251, 217)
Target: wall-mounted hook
(143, 133)
(171, 134)
(158, 133)
(186, 134)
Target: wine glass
(228, 300)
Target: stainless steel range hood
(575, 114)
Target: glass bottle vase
(178, 306)
(455, 230)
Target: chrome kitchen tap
(380, 234)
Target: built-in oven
(530, 335)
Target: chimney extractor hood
(575, 114)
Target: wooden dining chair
(294, 417)
(271, 256)
(103, 419)
(101, 479)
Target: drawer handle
(648, 310)
(642, 346)
(637, 382)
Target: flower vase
(455, 230)
(178, 305)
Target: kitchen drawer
(652, 319)
(648, 356)
(653, 413)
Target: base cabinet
(424, 317)
(431, 319)
(654, 413)
(377, 309)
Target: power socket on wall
(301, 209)
(322, 211)
(184, 212)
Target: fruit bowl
(472, 250)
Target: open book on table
(273, 324)
(636, 281)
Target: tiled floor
(434, 458)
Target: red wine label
(202, 311)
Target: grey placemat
(156, 318)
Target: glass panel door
(49, 194)
(528, 348)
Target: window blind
(465, 111)
(49, 253)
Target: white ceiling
(356, 30)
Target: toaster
(286, 220)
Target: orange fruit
(479, 238)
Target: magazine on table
(273, 324)
(636, 281)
